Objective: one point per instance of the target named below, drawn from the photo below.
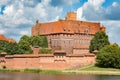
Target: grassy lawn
(95, 68)
(91, 69)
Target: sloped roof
(2, 37)
(68, 26)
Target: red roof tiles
(66, 26)
(2, 37)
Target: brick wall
(46, 61)
(68, 41)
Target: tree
(13, 48)
(25, 46)
(3, 45)
(100, 40)
(25, 38)
(39, 41)
(44, 42)
(109, 56)
(35, 41)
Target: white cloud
(2, 31)
(115, 4)
(24, 33)
(93, 10)
(9, 10)
(113, 30)
(79, 14)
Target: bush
(44, 51)
(3, 45)
(13, 48)
(109, 56)
(25, 46)
(99, 41)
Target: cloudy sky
(18, 16)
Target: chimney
(71, 16)
(35, 50)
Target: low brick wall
(46, 61)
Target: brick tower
(71, 16)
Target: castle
(69, 40)
(70, 35)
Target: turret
(71, 16)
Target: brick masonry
(56, 61)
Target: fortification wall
(47, 61)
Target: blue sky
(18, 16)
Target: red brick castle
(69, 40)
(70, 35)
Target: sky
(18, 16)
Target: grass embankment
(95, 70)
(84, 70)
(43, 71)
(33, 71)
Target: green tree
(39, 41)
(44, 42)
(25, 46)
(99, 41)
(109, 56)
(35, 41)
(3, 45)
(25, 38)
(13, 48)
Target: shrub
(99, 41)
(109, 56)
(44, 51)
(13, 48)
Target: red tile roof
(2, 37)
(67, 26)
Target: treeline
(108, 55)
(24, 45)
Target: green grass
(91, 69)
(9, 70)
(43, 71)
(95, 68)
(32, 70)
(51, 72)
